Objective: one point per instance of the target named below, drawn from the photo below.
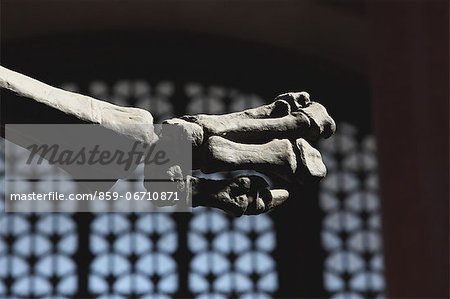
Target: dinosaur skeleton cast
(273, 140)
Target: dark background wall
(401, 47)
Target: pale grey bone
(291, 116)
(321, 122)
(246, 195)
(278, 156)
(124, 124)
(191, 131)
(125, 121)
(243, 195)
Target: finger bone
(255, 130)
(248, 195)
(225, 155)
(278, 156)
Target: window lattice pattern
(133, 256)
(351, 231)
(36, 255)
(36, 250)
(231, 257)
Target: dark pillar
(409, 52)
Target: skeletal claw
(270, 139)
(249, 195)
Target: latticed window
(323, 243)
(351, 231)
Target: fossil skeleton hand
(270, 139)
(273, 140)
